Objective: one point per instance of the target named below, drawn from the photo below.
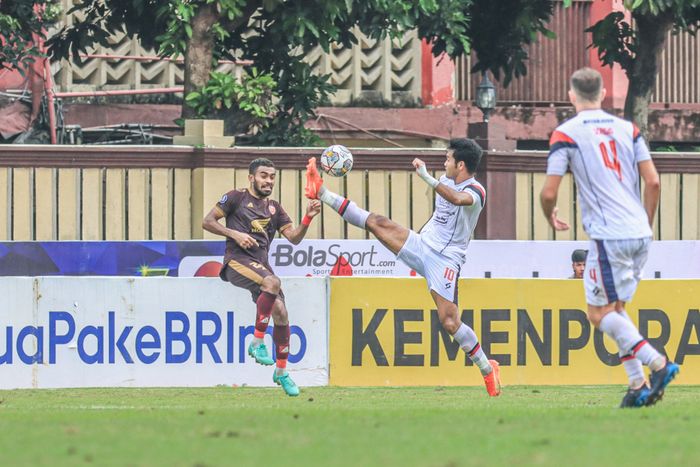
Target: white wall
(78, 322)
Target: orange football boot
(314, 182)
(493, 380)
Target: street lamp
(485, 96)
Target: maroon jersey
(259, 218)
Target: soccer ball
(336, 160)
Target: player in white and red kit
(607, 155)
(439, 250)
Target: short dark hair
(579, 256)
(259, 162)
(587, 83)
(466, 150)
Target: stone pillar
(497, 219)
(437, 77)
(614, 78)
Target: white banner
(485, 258)
(108, 332)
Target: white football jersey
(450, 228)
(603, 152)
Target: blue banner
(102, 258)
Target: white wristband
(429, 179)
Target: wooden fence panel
(69, 204)
(91, 198)
(691, 207)
(669, 212)
(45, 203)
(115, 204)
(22, 204)
(5, 203)
(400, 198)
(160, 194)
(182, 207)
(138, 208)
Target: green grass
(346, 426)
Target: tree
(276, 35)
(23, 26)
(637, 47)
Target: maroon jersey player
(252, 219)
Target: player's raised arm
(458, 198)
(297, 234)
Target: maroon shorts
(247, 273)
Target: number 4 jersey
(604, 153)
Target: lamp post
(485, 96)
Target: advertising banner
(110, 332)
(318, 258)
(386, 332)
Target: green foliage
(21, 23)
(501, 30)
(283, 31)
(616, 39)
(254, 95)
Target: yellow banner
(385, 332)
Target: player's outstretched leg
(257, 348)
(280, 334)
(314, 189)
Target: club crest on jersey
(223, 199)
(258, 225)
(273, 210)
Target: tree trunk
(199, 53)
(651, 39)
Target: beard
(261, 192)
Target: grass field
(444, 427)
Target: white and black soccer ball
(336, 160)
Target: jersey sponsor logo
(259, 225)
(223, 199)
(604, 131)
(273, 210)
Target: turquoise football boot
(287, 384)
(260, 354)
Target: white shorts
(614, 269)
(441, 273)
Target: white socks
(350, 211)
(633, 367)
(468, 341)
(629, 341)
